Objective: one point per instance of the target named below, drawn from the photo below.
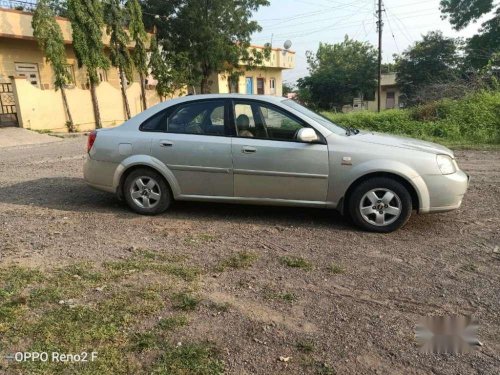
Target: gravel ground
(357, 321)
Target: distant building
(263, 80)
(390, 98)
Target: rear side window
(204, 118)
(156, 123)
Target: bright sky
(308, 22)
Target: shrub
(472, 119)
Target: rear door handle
(249, 150)
(166, 144)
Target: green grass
(173, 322)
(305, 346)
(296, 262)
(471, 122)
(335, 269)
(189, 359)
(243, 259)
(185, 301)
(282, 296)
(63, 310)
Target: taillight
(91, 140)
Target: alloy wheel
(380, 207)
(145, 192)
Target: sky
(308, 22)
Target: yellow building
(390, 97)
(27, 82)
(266, 79)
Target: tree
(287, 88)
(87, 23)
(213, 35)
(139, 36)
(119, 41)
(338, 73)
(433, 60)
(50, 39)
(170, 71)
(483, 46)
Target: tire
(146, 192)
(380, 205)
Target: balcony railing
(26, 5)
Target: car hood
(402, 142)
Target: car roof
(189, 98)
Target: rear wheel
(380, 205)
(146, 192)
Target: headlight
(446, 164)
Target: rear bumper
(99, 174)
(446, 192)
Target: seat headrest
(243, 122)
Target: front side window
(206, 118)
(259, 120)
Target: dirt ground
(357, 319)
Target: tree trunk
(95, 105)
(123, 83)
(204, 88)
(143, 92)
(66, 109)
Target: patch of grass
(173, 322)
(305, 346)
(191, 358)
(185, 301)
(219, 307)
(242, 259)
(335, 269)
(296, 262)
(122, 268)
(283, 296)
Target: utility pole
(379, 26)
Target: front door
(260, 86)
(249, 82)
(269, 162)
(196, 150)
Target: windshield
(316, 117)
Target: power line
(390, 28)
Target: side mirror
(307, 135)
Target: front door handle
(249, 150)
(166, 144)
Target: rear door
(269, 162)
(194, 145)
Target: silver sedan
(269, 150)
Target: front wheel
(380, 205)
(146, 192)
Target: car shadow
(73, 194)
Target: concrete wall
(43, 109)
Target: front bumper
(446, 192)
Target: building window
(103, 75)
(29, 71)
(71, 73)
(272, 86)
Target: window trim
(172, 109)
(252, 102)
